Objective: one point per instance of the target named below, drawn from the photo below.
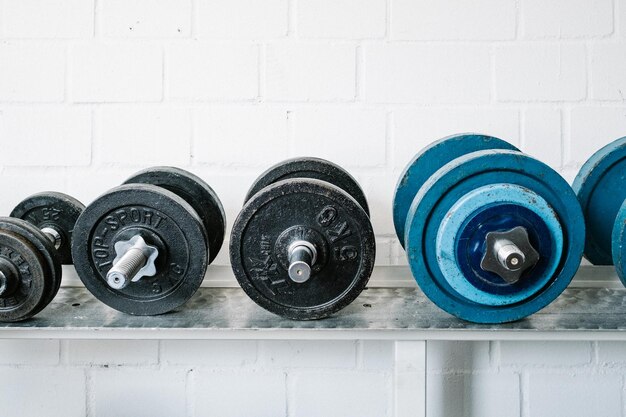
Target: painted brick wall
(93, 90)
(309, 378)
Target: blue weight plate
(600, 189)
(461, 242)
(428, 161)
(471, 172)
(619, 243)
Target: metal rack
(379, 313)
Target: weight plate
(600, 189)
(165, 221)
(428, 161)
(458, 179)
(46, 250)
(310, 210)
(619, 243)
(55, 210)
(194, 191)
(22, 278)
(497, 208)
(314, 168)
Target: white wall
(93, 90)
(307, 378)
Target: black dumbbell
(143, 247)
(303, 245)
(34, 242)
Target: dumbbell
(491, 234)
(143, 248)
(34, 242)
(303, 245)
(600, 189)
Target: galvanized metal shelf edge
(379, 313)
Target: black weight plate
(26, 275)
(317, 210)
(164, 220)
(56, 210)
(315, 168)
(52, 271)
(194, 191)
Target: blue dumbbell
(491, 234)
(600, 187)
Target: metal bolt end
(3, 283)
(299, 272)
(117, 280)
(302, 256)
(134, 260)
(54, 236)
(509, 254)
(9, 278)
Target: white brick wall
(226, 88)
(567, 393)
(321, 131)
(46, 136)
(122, 392)
(30, 19)
(161, 135)
(57, 391)
(91, 91)
(426, 73)
(212, 71)
(453, 20)
(115, 72)
(241, 19)
(145, 18)
(550, 72)
(341, 19)
(566, 18)
(607, 61)
(32, 72)
(225, 394)
(312, 378)
(310, 72)
(252, 136)
(525, 379)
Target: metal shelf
(379, 313)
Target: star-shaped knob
(509, 254)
